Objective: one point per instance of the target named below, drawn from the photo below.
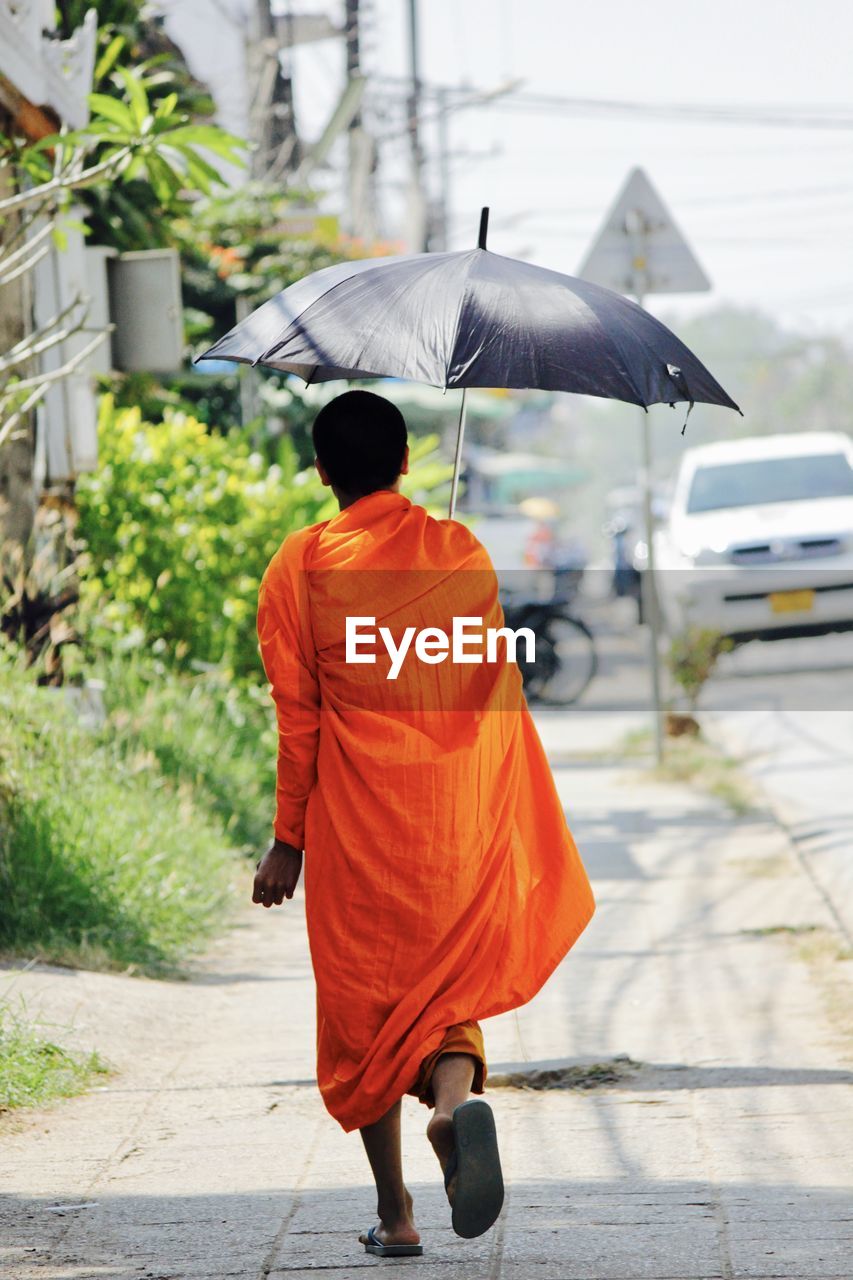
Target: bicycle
(566, 659)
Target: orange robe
(441, 881)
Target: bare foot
(401, 1230)
(440, 1134)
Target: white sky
(769, 211)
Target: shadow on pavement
(557, 1229)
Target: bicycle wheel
(569, 660)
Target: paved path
(725, 1153)
(784, 708)
(803, 763)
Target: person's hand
(277, 874)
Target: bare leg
(394, 1204)
(451, 1084)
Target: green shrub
(104, 861)
(692, 657)
(181, 522)
(33, 1070)
(206, 732)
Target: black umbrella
(472, 319)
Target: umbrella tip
(484, 228)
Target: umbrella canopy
(470, 319)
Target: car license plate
(791, 601)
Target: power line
(783, 193)
(735, 244)
(772, 115)
(720, 201)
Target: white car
(759, 539)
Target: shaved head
(360, 440)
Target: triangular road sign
(640, 249)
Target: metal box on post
(145, 306)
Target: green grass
(34, 1069)
(105, 860)
(206, 732)
(697, 762)
(780, 930)
(636, 742)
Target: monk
(442, 885)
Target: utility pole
(361, 151)
(272, 131)
(440, 239)
(640, 250)
(272, 118)
(352, 32)
(637, 231)
(446, 102)
(417, 215)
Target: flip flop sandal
(375, 1245)
(476, 1164)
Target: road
(711, 1140)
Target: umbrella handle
(463, 408)
(457, 457)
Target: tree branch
(43, 344)
(8, 260)
(24, 221)
(56, 374)
(30, 403)
(63, 183)
(51, 324)
(26, 266)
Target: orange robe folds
(442, 884)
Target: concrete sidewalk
(803, 763)
(721, 1149)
